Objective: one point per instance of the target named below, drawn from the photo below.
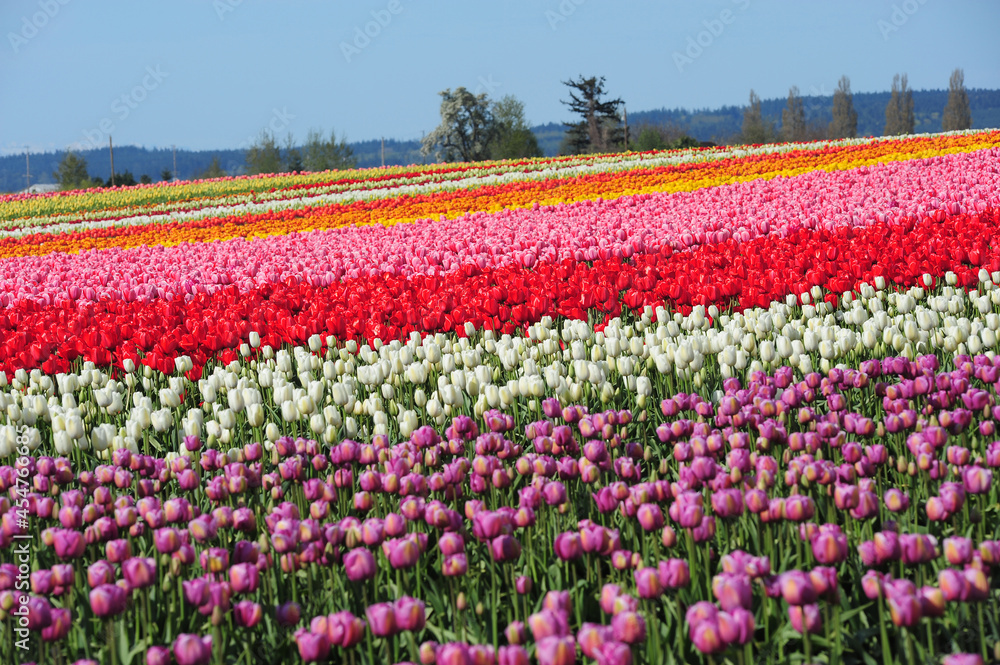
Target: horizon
(167, 93)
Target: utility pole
(383, 152)
(27, 167)
(175, 163)
(625, 111)
(111, 149)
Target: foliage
(466, 130)
(513, 137)
(600, 127)
(264, 156)
(756, 129)
(793, 118)
(845, 118)
(72, 173)
(214, 170)
(899, 118)
(957, 114)
(326, 155)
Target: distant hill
(719, 125)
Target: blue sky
(206, 74)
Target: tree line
(475, 127)
(899, 116)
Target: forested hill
(719, 125)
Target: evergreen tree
(793, 117)
(264, 156)
(957, 114)
(145, 179)
(755, 128)
(72, 173)
(845, 118)
(599, 128)
(292, 159)
(899, 118)
(326, 155)
(214, 170)
(166, 175)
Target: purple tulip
(674, 573)
(382, 619)
(568, 546)
(288, 614)
(411, 614)
(313, 647)
(247, 613)
(139, 572)
(797, 588)
(548, 623)
(556, 651)
(107, 600)
(647, 583)
(512, 655)
(505, 548)
(359, 564)
(805, 618)
(732, 591)
(628, 627)
(193, 649)
(157, 655)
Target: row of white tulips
(329, 392)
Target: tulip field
(724, 405)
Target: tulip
(796, 588)
(382, 619)
(107, 600)
(568, 546)
(805, 618)
(556, 651)
(288, 614)
(628, 627)
(247, 613)
(192, 649)
(512, 655)
(647, 582)
(313, 647)
(410, 614)
(359, 564)
(139, 572)
(732, 591)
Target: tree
(123, 179)
(649, 139)
(166, 175)
(326, 155)
(291, 160)
(72, 173)
(755, 128)
(957, 114)
(145, 179)
(899, 117)
(214, 170)
(466, 131)
(264, 156)
(793, 117)
(599, 128)
(845, 119)
(513, 139)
